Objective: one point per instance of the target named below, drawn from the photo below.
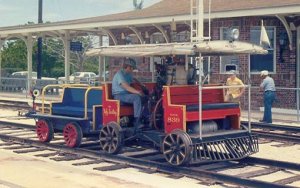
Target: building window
(228, 63)
(132, 39)
(183, 36)
(263, 62)
(157, 38)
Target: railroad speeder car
(172, 125)
(175, 122)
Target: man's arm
(143, 87)
(262, 85)
(130, 89)
(242, 89)
(138, 82)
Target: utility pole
(40, 43)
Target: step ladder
(196, 19)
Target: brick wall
(143, 66)
(285, 76)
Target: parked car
(98, 80)
(23, 74)
(18, 81)
(79, 78)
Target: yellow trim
(113, 100)
(50, 111)
(168, 95)
(183, 107)
(43, 97)
(86, 99)
(118, 114)
(62, 86)
(184, 118)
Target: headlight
(234, 34)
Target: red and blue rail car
(172, 124)
(75, 116)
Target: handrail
(86, 99)
(59, 86)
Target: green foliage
(91, 64)
(14, 57)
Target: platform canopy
(205, 48)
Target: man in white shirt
(268, 86)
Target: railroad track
(279, 132)
(22, 106)
(22, 139)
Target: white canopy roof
(205, 48)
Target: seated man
(124, 92)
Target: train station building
(170, 21)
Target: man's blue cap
(130, 62)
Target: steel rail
(273, 126)
(274, 163)
(278, 136)
(17, 125)
(140, 163)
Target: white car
(25, 73)
(79, 78)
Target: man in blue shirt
(124, 92)
(268, 86)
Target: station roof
(160, 13)
(182, 7)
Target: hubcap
(70, 135)
(42, 130)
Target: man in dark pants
(268, 86)
(124, 92)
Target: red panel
(126, 110)
(190, 95)
(174, 118)
(150, 86)
(175, 98)
(110, 111)
(212, 114)
(109, 107)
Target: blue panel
(73, 103)
(74, 96)
(94, 98)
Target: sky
(19, 12)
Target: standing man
(233, 94)
(124, 92)
(268, 86)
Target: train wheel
(72, 134)
(157, 116)
(177, 147)
(44, 130)
(111, 139)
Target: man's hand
(141, 93)
(145, 90)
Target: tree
(138, 5)
(14, 56)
